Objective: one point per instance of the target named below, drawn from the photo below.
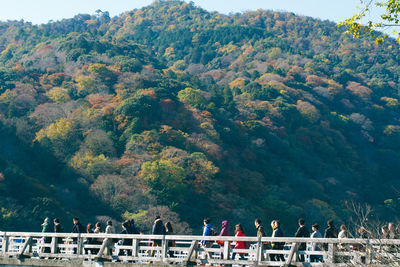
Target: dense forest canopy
(177, 111)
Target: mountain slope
(175, 110)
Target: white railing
(190, 250)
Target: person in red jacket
(239, 231)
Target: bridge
(66, 249)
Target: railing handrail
(207, 238)
(189, 249)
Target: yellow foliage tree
(58, 95)
(87, 160)
(60, 130)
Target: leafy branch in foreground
(389, 19)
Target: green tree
(165, 180)
(193, 97)
(107, 76)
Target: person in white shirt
(109, 241)
(315, 246)
(343, 234)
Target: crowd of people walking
(159, 228)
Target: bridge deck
(65, 249)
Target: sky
(42, 11)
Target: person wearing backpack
(208, 230)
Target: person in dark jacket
(277, 245)
(260, 228)
(260, 233)
(302, 232)
(171, 243)
(126, 230)
(58, 229)
(158, 229)
(57, 226)
(77, 229)
(331, 231)
(89, 240)
(133, 227)
(89, 230)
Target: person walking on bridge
(277, 232)
(239, 232)
(208, 230)
(302, 232)
(58, 229)
(330, 232)
(97, 241)
(109, 241)
(260, 234)
(158, 229)
(171, 243)
(126, 230)
(77, 228)
(314, 245)
(224, 232)
(133, 227)
(46, 229)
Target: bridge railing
(189, 250)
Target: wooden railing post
(331, 253)
(79, 245)
(5, 244)
(292, 254)
(164, 246)
(192, 251)
(226, 250)
(30, 247)
(258, 252)
(54, 245)
(135, 247)
(27, 244)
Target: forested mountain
(177, 111)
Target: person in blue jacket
(208, 230)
